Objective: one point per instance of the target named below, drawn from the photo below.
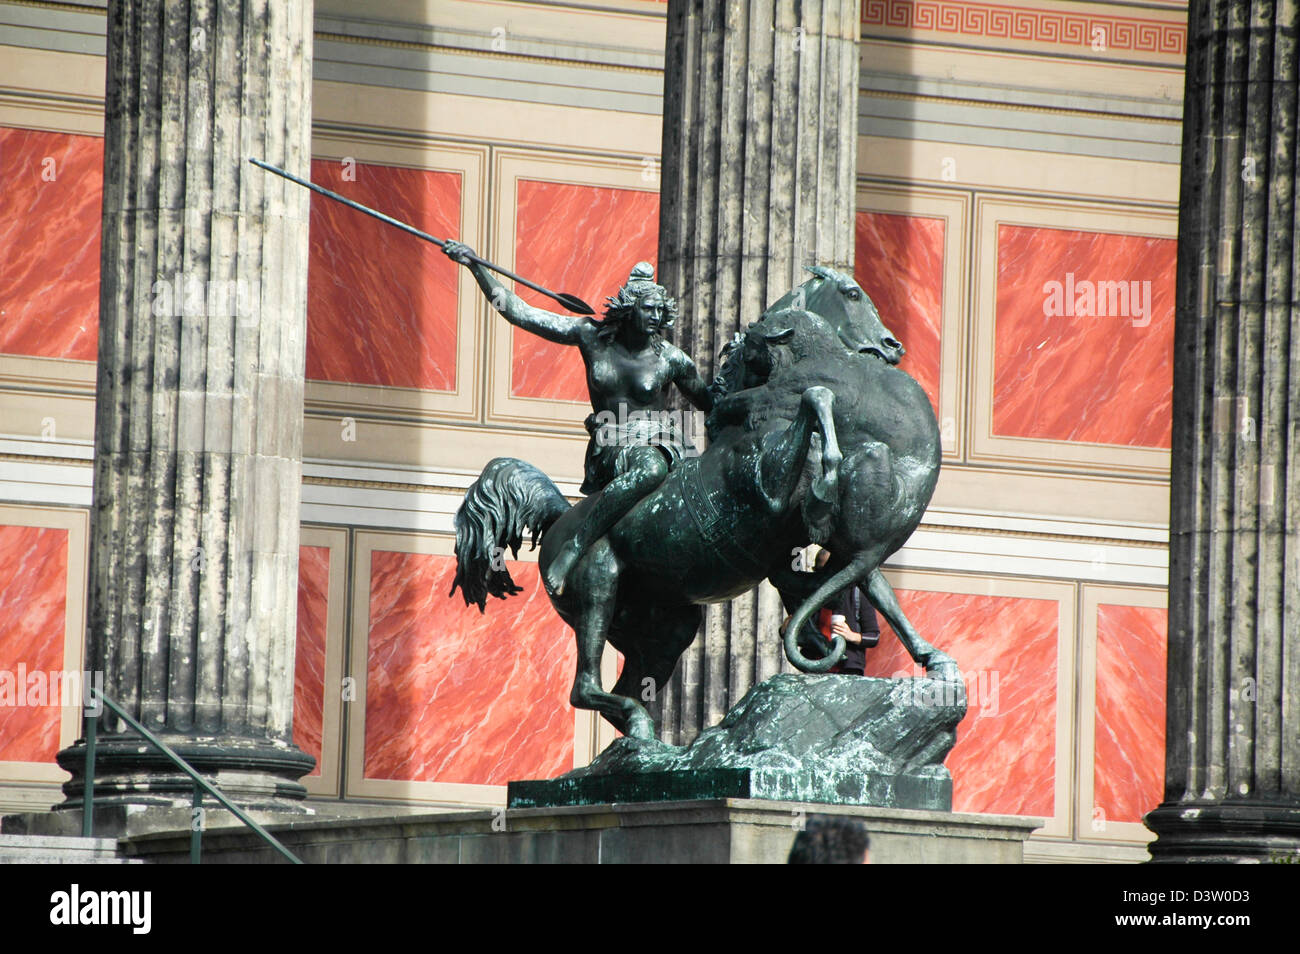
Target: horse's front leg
(782, 461)
(937, 663)
(594, 585)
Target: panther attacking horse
(819, 438)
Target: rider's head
(643, 302)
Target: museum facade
(1016, 218)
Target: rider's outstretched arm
(564, 329)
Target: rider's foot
(558, 571)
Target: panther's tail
(509, 497)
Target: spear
(572, 302)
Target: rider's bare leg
(646, 469)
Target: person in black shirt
(859, 626)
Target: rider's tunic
(612, 442)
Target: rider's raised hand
(458, 252)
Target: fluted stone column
(1232, 767)
(198, 433)
(759, 171)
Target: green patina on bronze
(815, 436)
(844, 740)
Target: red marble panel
(33, 608)
(309, 663)
(1066, 367)
(382, 304)
(456, 696)
(899, 264)
(1004, 761)
(582, 240)
(50, 210)
(1129, 733)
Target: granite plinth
(716, 831)
(833, 739)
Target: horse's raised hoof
(942, 667)
(826, 488)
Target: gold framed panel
(77, 524)
(469, 163)
(509, 167)
(329, 783)
(1092, 597)
(994, 450)
(587, 735)
(77, 108)
(1063, 593)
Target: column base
(255, 774)
(1225, 832)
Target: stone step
(60, 850)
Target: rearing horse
(771, 480)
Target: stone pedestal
(1232, 769)
(717, 831)
(759, 175)
(198, 432)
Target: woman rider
(630, 369)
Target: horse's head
(782, 338)
(842, 304)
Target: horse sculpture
(819, 438)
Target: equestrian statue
(815, 436)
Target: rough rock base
(839, 740)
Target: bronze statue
(663, 532)
(635, 439)
(815, 374)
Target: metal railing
(201, 785)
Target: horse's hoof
(944, 670)
(824, 489)
(641, 726)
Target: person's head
(828, 840)
(642, 303)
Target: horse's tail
(849, 574)
(509, 497)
